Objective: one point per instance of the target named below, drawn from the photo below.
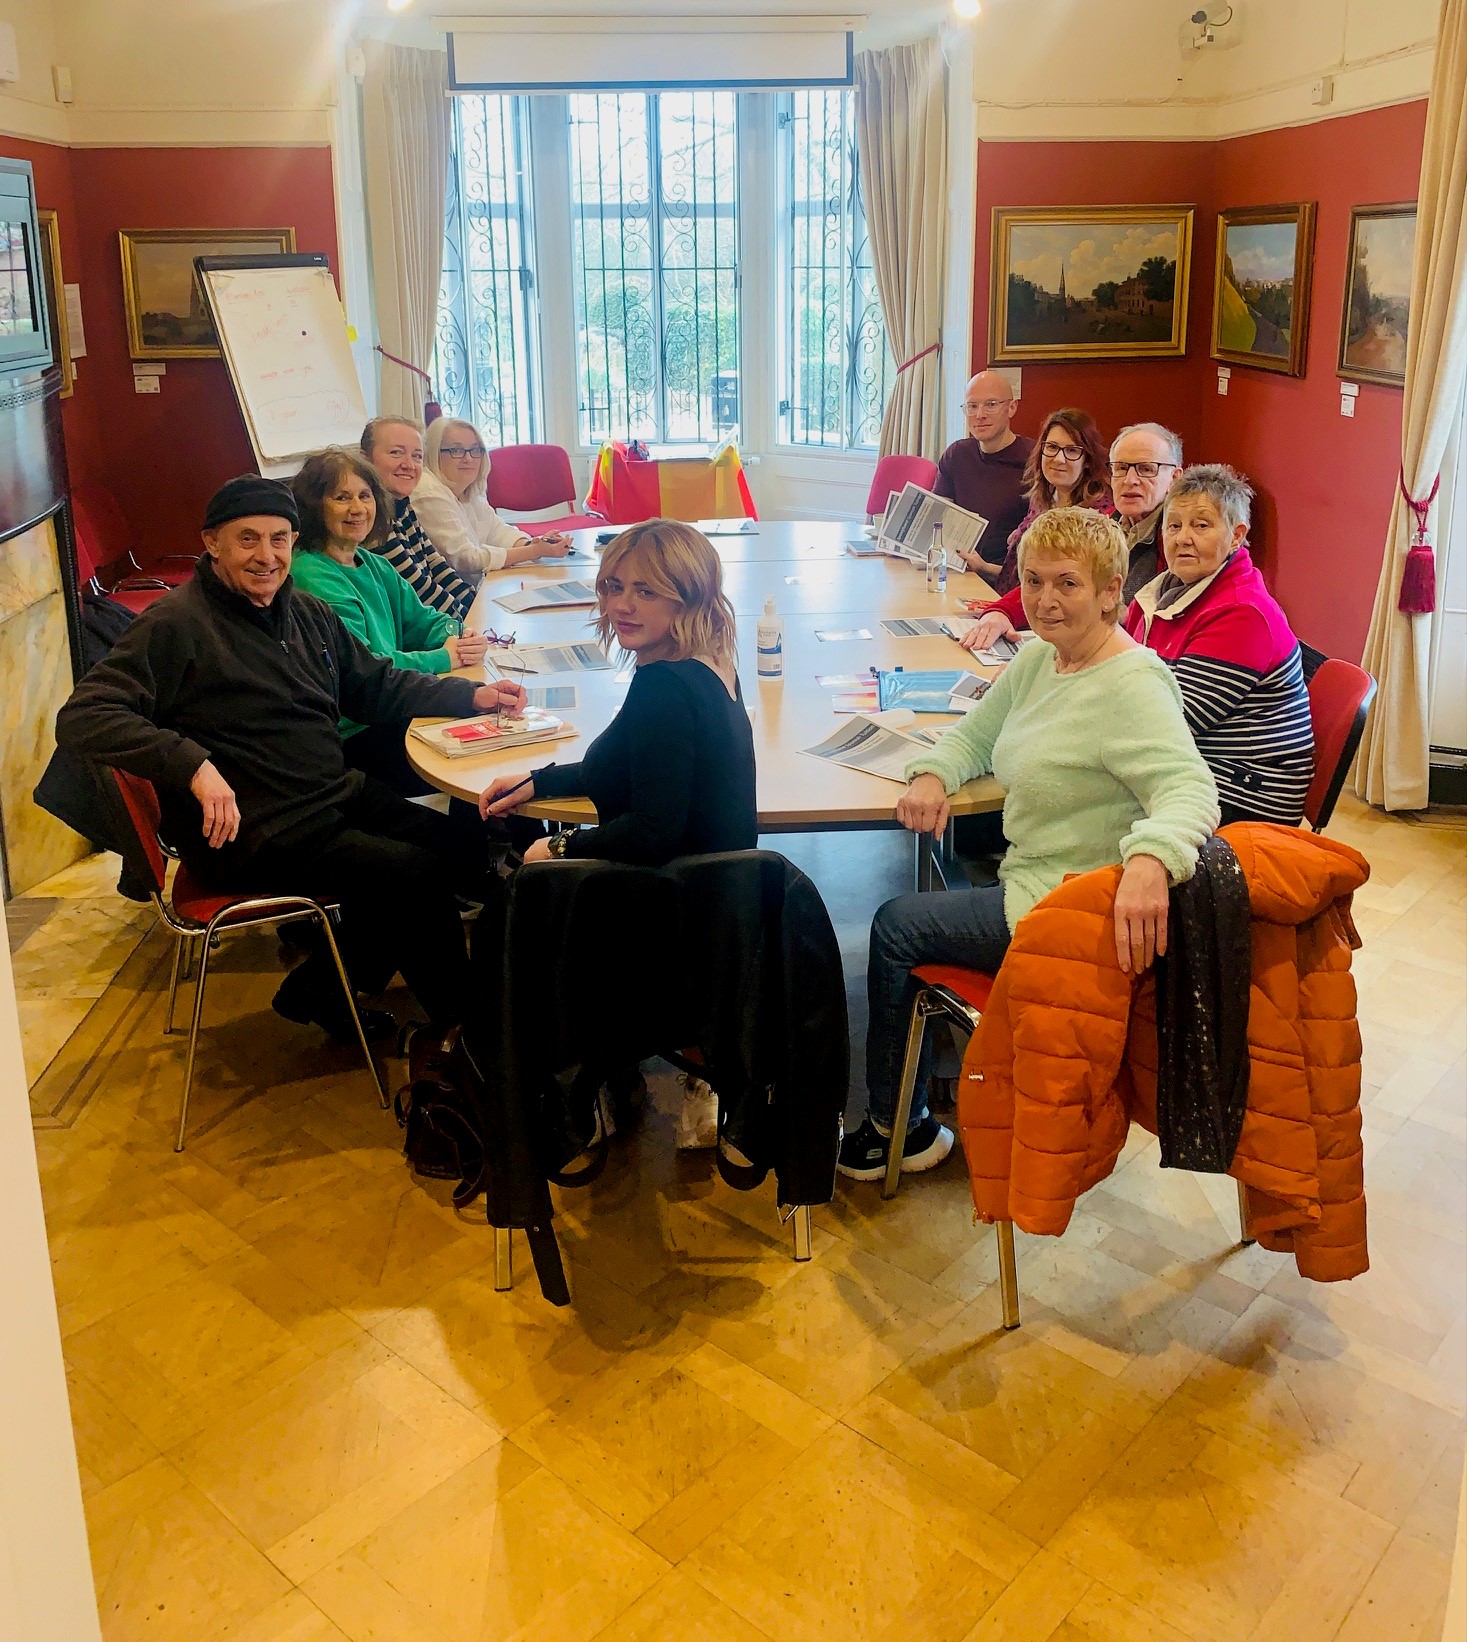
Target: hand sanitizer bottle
(937, 562)
(769, 642)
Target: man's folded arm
(373, 691)
(111, 717)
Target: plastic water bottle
(769, 642)
(937, 562)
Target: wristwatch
(560, 842)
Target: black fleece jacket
(205, 674)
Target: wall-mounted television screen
(25, 325)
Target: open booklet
(548, 596)
(864, 743)
(906, 525)
(469, 737)
(549, 658)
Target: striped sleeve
(1212, 691)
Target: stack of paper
(548, 596)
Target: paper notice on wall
(76, 336)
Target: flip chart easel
(283, 336)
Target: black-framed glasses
(458, 452)
(1061, 453)
(1142, 470)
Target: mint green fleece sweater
(1097, 766)
(378, 607)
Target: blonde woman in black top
(673, 773)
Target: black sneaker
(863, 1154)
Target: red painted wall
(1101, 173)
(162, 455)
(1325, 483)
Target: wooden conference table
(817, 586)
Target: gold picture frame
(167, 317)
(1080, 282)
(1261, 287)
(1375, 320)
(56, 297)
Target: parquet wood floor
(302, 1412)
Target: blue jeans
(956, 926)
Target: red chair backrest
(111, 534)
(892, 472)
(526, 478)
(88, 552)
(140, 811)
(1339, 699)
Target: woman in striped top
(1232, 651)
(394, 447)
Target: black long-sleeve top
(671, 775)
(206, 674)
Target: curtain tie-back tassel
(432, 410)
(1418, 579)
(907, 364)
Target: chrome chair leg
(1008, 1274)
(801, 1222)
(503, 1259)
(351, 1004)
(1245, 1234)
(178, 945)
(193, 1039)
(915, 1030)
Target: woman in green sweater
(344, 511)
(1085, 731)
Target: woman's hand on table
(923, 807)
(468, 649)
(501, 695)
(1141, 908)
(555, 544)
(991, 625)
(504, 795)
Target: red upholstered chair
(530, 478)
(195, 917)
(94, 511)
(1340, 695)
(135, 593)
(892, 472)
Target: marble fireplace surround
(35, 678)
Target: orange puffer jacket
(1065, 1056)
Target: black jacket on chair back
(733, 954)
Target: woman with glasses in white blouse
(452, 508)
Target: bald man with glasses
(984, 471)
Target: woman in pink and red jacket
(1231, 649)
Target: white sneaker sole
(918, 1163)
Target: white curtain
(405, 135)
(1394, 766)
(901, 129)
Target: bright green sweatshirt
(1097, 766)
(380, 609)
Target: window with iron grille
(484, 349)
(654, 244)
(837, 368)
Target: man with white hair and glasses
(984, 470)
(1145, 459)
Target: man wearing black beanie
(226, 694)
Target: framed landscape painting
(166, 314)
(1090, 282)
(1378, 293)
(1260, 300)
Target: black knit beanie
(248, 495)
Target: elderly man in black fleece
(226, 694)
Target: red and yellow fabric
(692, 487)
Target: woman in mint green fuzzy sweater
(344, 513)
(1085, 730)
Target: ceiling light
(967, 10)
